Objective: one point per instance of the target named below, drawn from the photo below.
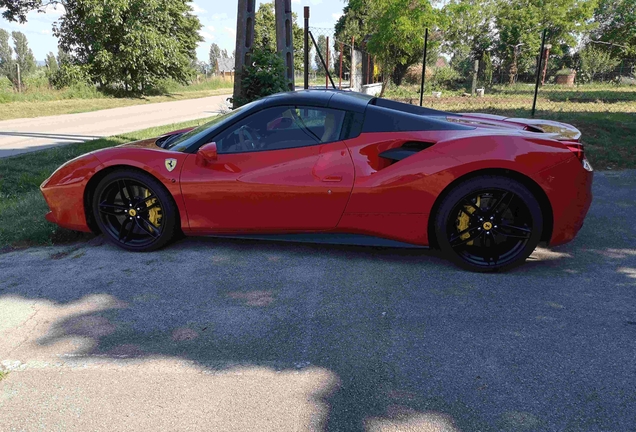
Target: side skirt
(325, 238)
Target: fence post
(19, 80)
(536, 86)
(352, 66)
(545, 64)
(423, 67)
(306, 59)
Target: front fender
(64, 192)
(152, 161)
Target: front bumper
(64, 193)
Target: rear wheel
(489, 223)
(134, 211)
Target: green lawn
(22, 207)
(605, 114)
(39, 100)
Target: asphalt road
(24, 135)
(215, 334)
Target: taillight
(577, 149)
(579, 152)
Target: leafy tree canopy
(265, 33)
(215, 54)
(130, 42)
(616, 20)
(522, 22)
(6, 54)
(469, 27)
(23, 54)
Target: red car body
(346, 186)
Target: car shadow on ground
(412, 340)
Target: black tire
(135, 211)
(488, 223)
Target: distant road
(25, 135)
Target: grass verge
(606, 115)
(22, 207)
(42, 101)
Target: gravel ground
(244, 335)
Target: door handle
(332, 179)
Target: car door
(282, 169)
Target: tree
(265, 28)
(51, 63)
(265, 33)
(322, 47)
(595, 61)
(616, 21)
(63, 57)
(398, 38)
(265, 76)
(23, 54)
(469, 29)
(521, 22)
(134, 42)
(7, 64)
(393, 31)
(215, 54)
(354, 23)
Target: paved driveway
(24, 135)
(240, 335)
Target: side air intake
(407, 149)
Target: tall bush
(265, 76)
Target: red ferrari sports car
(338, 167)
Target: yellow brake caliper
(463, 220)
(154, 214)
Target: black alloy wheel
(489, 223)
(134, 211)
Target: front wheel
(134, 211)
(489, 223)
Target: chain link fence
(507, 86)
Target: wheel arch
(98, 176)
(533, 187)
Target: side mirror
(207, 154)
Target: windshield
(186, 139)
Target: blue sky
(217, 16)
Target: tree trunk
(384, 84)
(398, 73)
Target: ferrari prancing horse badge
(171, 164)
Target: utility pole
(306, 59)
(244, 41)
(327, 67)
(340, 74)
(284, 39)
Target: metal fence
(501, 87)
(345, 62)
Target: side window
(281, 128)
